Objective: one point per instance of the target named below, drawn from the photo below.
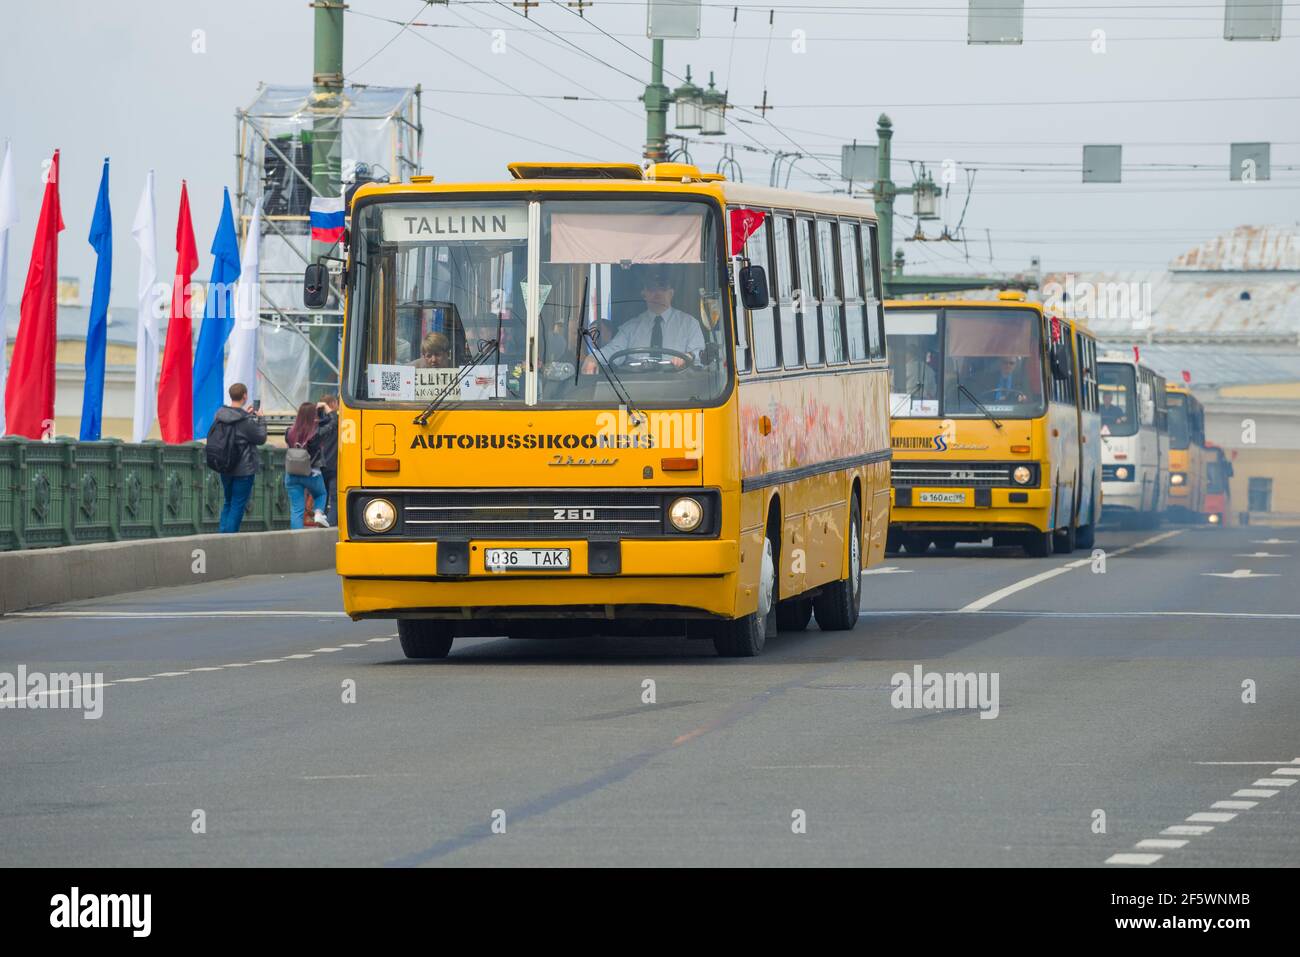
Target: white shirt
(682, 333)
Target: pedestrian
(302, 463)
(330, 456)
(237, 430)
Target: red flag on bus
(29, 393)
(1187, 377)
(1137, 355)
(744, 223)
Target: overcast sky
(122, 80)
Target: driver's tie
(657, 333)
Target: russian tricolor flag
(327, 219)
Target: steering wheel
(1000, 395)
(647, 351)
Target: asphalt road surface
(1120, 721)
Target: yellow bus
(558, 418)
(995, 426)
(1188, 457)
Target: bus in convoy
(1218, 471)
(640, 401)
(1187, 454)
(1134, 441)
(995, 426)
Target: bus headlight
(379, 515)
(1177, 478)
(1213, 518)
(1021, 475)
(686, 514)
(1121, 473)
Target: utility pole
(326, 147)
(884, 192)
(656, 107)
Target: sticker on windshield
(390, 382)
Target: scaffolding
(299, 350)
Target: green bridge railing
(66, 492)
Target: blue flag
(218, 320)
(101, 239)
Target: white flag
(241, 362)
(8, 218)
(146, 325)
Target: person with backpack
(329, 407)
(311, 431)
(232, 453)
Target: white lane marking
(130, 680)
(1295, 771)
(176, 614)
(1273, 541)
(384, 638)
(1234, 805)
(1193, 830)
(324, 651)
(1156, 843)
(1260, 555)
(1295, 761)
(1133, 858)
(266, 661)
(353, 645)
(1254, 793)
(913, 612)
(888, 570)
(208, 668)
(979, 604)
(13, 702)
(169, 674)
(1238, 573)
(1215, 817)
(1274, 782)
(297, 657)
(239, 664)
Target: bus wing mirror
(316, 286)
(753, 287)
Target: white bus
(1134, 441)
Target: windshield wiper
(634, 415)
(488, 348)
(908, 398)
(978, 404)
(582, 328)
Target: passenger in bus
(435, 352)
(660, 327)
(1111, 414)
(1006, 383)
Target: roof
(1212, 366)
(1246, 248)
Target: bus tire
(424, 637)
(745, 637)
(1086, 536)
(793, 614)
(836, 606)
(1038, 544)
(1065, 541)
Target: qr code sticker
(390, 381)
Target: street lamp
(714, 119)
(925, 197)
(689, 99)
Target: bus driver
(659, 327)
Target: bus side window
(850, 268)
(785, 304)
(830, 291)
(763, 321)
(872, 293)
(808, 304)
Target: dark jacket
(326, 437)
(329, 449)
(250, 432)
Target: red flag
(1187, 377)
(175, 382)
(29, 393)
(744, 223)
(1137, 354)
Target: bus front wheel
(424, 637)
(836, 607)
(793, 614)
(745, 637)
(1039, 544)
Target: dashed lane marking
(1192, 830)
(1133, 858)
(979, 604)
(1160, 843)
(1254, 793)
(1274, 782)
(1218, 817)
(1234, 805)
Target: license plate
(943, 498)
(526, 559)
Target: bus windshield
(1118, 399)
(963, 362)
(1180, 431)
(628, 302)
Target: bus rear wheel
(745, 637)
(424, 637)
(837, 604)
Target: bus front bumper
(978, 510)
(677, 579)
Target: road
(1118, 692)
